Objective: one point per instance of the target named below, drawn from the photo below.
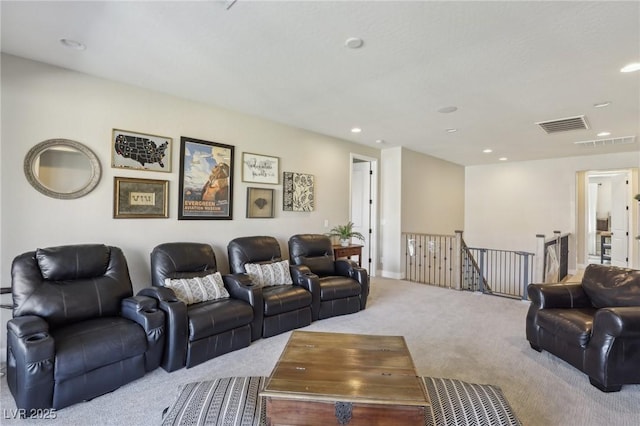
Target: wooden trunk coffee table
(354, 379)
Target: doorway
(608, 221)
(363, 206)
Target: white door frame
(373, 238)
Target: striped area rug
(234, 401)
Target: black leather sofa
(76, 331)
(197, 332)
(341, 286)
(281, 307)
(594, 325)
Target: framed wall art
(260, 168)
(298, 191)
(140, 198)
(140, 151)
(206, 180)
(260, 203)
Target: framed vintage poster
(206, 180)
(297, 192)
(260, 168)
(132, 150)
(140, 198)
(260, 203)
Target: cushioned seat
(283, 298)
(342, 287)
(593, 325)
(76, 332)
(204, 318)
(571, 325)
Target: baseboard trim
(393, 275)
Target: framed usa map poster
(140, 151)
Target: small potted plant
(345, 233)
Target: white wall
(507, 204)
(390, 218)
(42, 102)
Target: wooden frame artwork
(260, 168)
(206, 180)
(260, 203)
(139, 151)
(298, 191)
(140, 198)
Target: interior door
(361, 207)
(620, 200)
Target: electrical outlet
(326, 223)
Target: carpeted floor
(458, 335)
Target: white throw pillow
(268, 274)
(198, 289)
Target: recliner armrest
(30, 356)
(348, 268)
(176, 326)
(144, 311)
(301, 275)
(241, 287)
(617, 321)
(547, 296)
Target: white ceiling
(505, 65)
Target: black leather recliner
(77, 332)
(280, 308)
(593, 325)
(199, 331)
(343, 286)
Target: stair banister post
(538, 275)
(458, 261)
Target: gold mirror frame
(34, 154)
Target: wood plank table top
(366, 369)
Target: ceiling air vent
(564, 124)
(604, 142)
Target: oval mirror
(62, 168)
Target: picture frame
(140, 151)
(260, 203)
(206, 180)
(258, 168)
(140, 198)
(298, 192)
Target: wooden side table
(348, 251)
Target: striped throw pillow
(268, 274)
(198, 289)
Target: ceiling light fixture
(602, 104)
(452, 130)
(448, 109)
(603, 134)
(631, 67)
(354, 43)
(503, 158)
(72, 44)
(380, 141)
(487, 151)
(356, 130)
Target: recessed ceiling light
(448, 109)
(380, 141)
(356, 130)
(503, 158)
(354, 43)
(602, 104)
(452, 130)
(487, 151)
(631, 67)
(72, 44)
(602, 134)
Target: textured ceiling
(505, 65)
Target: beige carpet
(459, 335)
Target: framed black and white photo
(260, 203)
(140, 151)
(140, 198)
(206, 180)
(258, 168)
